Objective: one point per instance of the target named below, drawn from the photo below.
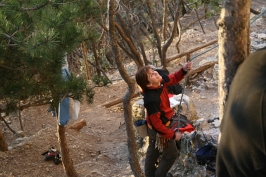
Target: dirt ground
(100, 148)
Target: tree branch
(92, 64)
(131, 45)
(169, 41)
(13, 131)
(158, 40)
(254, 11)
(173, 57)
(35, 8)
(16, 69)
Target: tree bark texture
(165, 13)
(96, 57)
(66, 159)
(84, 52)
(3, 144)
(233, 39)
(132, 147)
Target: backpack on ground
(206, 155)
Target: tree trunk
(171, 38)
(233, 44)
(165, 14)
(3, 144)
(84, 52)
(109, 56)
(66, 159)
(97, 62)
(155, 31)
(123, 31)
(137, 37)
(171, 10)
(132, 147)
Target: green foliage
(100, 80)
(214, 6)
(104, 62)
(35, 35)
(89, 95)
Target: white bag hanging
(74, 108)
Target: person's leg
(152, 155)
(168, 158)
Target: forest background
(99, 37)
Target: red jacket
(157, 103)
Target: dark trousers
(169, 155)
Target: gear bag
(141, 126)
(206, 155)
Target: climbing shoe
(57, 158)
(50, 154)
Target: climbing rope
(258, 16)
(216, 45)
(186, 78)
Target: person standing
(242, 146)
(159, 113)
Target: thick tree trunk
(233, 44)
(66, 159)
(132, 147)
(3, 144)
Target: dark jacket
(242, 147)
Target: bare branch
(15, 69)
(199, 21)
(173, 57)
(92, 64)
(254, 11)
(130, 44)
(158, 40)
(169, 41)
(13, 131)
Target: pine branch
(16, 69)
(35, 8)
(30, 104)
(28, 9)
(10, 37)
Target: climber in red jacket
(159, 114)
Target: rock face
(138, 111)
(258, 40)
(206, 133)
